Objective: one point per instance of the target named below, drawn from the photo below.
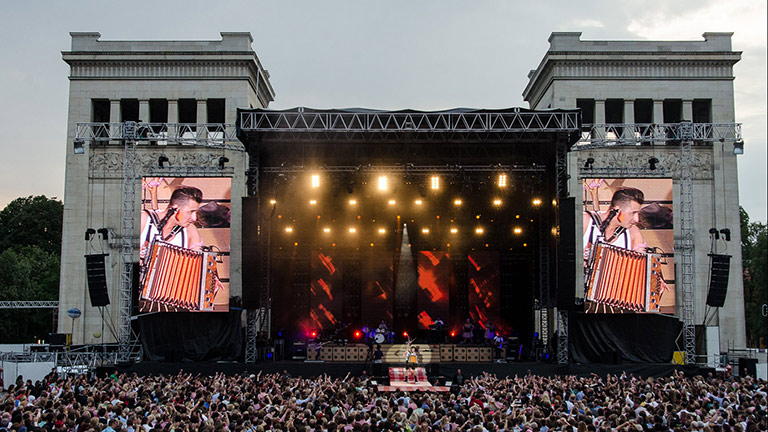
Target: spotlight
(326, 230)
(104, 233)
(457, 202)
(312, 202)
(315, 181)
(382, 231)
(502, 180)
(497, 202)
(79, 146)
(453, 334)
(162, 160)
(222, 161)
(357, 334)
(454, 230)
(405, 334)
(478, 230)
(517, 230)
(425, 230)
(289, 229)
(652, 163)
(738, 147)
(418, 202)
(90, 232)
(713, 232)
(435, 182)
(589, 162)
(726, 233)
(313, 334)
(536, 202)
(392, 202)
(352, 230)
(273, 201)
(352, 202)
(382, 183)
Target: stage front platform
(439, 373)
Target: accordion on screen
(179, 278)
(624, 279)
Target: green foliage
(28, 273)
(30, 249)
(754, 251)
(32, 221)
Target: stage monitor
(628, 242)
(184, 244)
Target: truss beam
(608, 135)
(210, 135)
(410, 169)
(29, 304)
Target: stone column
(687, 110)
(629, 118)
(599, 118)
(144, 110)
(173, 119)
(114, 114)
(658, 116)
(202, 116)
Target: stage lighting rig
(588, 164)
(223, 160)
(162, 160)
(652, 163)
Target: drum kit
(379, 335)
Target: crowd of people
(261, 402)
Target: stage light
(392, 202)
(652, 163)
(405, 334)
(223, 160)
(435, 182)
(525, 244)
(352, 230)
(425, 230)
(352, 202)
(502, 180)
(315, 181)
(289, 229)
(536, 202)
(382, 183)
(326, 230)
(382, 231)
(79, 146)
(312, 202)
(726, 232)
(453, 334)
(162, 160)
(418, 202)
(588, 163)
(454, 230)
(457, 202)
(314, 334)
(738, 147)
(517, 230)
(371, 244)
(479, 230)
(497, 202)
(517, 216)
(295, 243)
(357, 334)
(273, 201)
(554, 202)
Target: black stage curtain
(637, 338)
(191, 336)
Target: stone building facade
(657, 82)
(158, 82)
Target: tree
(32, 221)
(754, 252)
(30, 249)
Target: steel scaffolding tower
(126, 242)
(685, 134)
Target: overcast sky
(379, 54)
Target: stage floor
(439, 372)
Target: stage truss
(132, 134)
(686, 135)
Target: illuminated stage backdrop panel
(184, 244)
(377, 271)
(634, 272)
(484, 297)
(432, 299)
(326, 292)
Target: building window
(644, 111)
(100, 110)
(215, 108)
(158, 110)
(702, 111)
(129, 110)
(614, 111)
(188, 112)
(587, 107)
(673, 110)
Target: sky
(428, 54)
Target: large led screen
(184, 244)
(628, 245)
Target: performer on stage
(490, 331)
(467, 331)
